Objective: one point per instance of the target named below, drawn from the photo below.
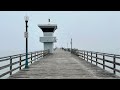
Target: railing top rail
(101, 53)
(17, 55)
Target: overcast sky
(90, 30)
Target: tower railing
(17, 62)
(106, 60)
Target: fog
(89, 30)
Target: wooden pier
(63, 65)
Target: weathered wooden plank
(62, 65)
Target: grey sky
(90, 30)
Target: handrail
(90, 55)
(32, 56)
(18, 54)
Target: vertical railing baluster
(34, 56)
(20, 62)
(84, 55)
(10, 65)
(87, 55)
(103, 61)
(43, 53)
(91, 57)
(37, 55)
(28, 58)
(96, 59)
(78, 53)
(81, 54)
(114, 65)
(40, 54)
(31, 57)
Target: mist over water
(89, 30)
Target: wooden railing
(105, 59)
(32, 57)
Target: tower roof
(48, 27)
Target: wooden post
(91, 57)
(31, 58)
(84, 55)
(10, 65)
(40, 54)
(114, 66)
(96, 59)
(71, 45)
(87, 55)
(103, 61)
(43, 54)
(20, 62)
(37, 56)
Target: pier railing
(111, 61)
(12, 64)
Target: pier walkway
(63, 65)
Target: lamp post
(71, 45)
(26, 36)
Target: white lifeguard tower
(48, 39)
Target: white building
(48, 39)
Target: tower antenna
(49, 21)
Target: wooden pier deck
(63, 65)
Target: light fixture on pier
(26, 36)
